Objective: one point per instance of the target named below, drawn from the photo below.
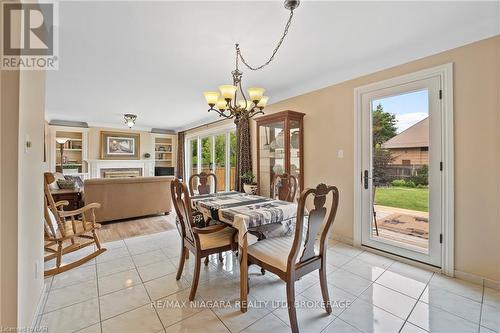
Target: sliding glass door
(217, 152)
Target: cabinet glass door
(295, 150)
(271, 154)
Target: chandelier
(129, 119)
(228, 103)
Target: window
(217, 153)
(406, 162)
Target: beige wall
(329, 124)
(9, 122)
(22, 118)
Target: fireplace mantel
(95, 166)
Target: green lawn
(403, 197)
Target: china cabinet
(279, 148)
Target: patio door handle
(365, 179)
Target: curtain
(244, 151)
(180, 155)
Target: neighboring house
(410, 148)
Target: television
(164, 171)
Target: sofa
(123, 198)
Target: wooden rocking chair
(62, 229)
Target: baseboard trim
(477, 279)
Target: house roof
(414, 136)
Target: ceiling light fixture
(130, 119)
(227, 103)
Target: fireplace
(120, 172)
(120, 168)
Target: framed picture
(120, 146)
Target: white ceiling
(155, 59)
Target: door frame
(445, 72)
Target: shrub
(398, 182)
(421, 176)
(409, 183)
(421, 186)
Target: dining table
(245, 213)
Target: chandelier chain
(285, 32)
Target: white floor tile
(165, 286)
(412, 272)
(143, 319)
(269, 323)
(311, 317)
(410, 328)
(375, 259)
(74, 276)
(72, 318)
(439, 321)
(234, 319)
(389, 300)
(346, 249)
(96, 328)
(363, 269)
(490, 317)
(369, 318)
(459, 287)
(115, 266)
(112, 254)
(350, 282)
(336, 259)
(204, 322)
(177, 307)
(122, 301)
(453, 303)
(340, 326)
(156, 270)
(148, 258)
(117, 281)
(70, 295)
(339, 299)
(492, 297)
(403, 284)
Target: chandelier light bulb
(227, 91)
(255, 94)
(211, 97)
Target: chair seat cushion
(273, 251)
(216, 239)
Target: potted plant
(69, 169)
(249, 186)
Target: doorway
(403, 145)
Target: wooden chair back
(204, 187)
(284, 187)
(318, 221)
(182, 206)
(53, 222)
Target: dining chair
(293, 257)
(204, 187)
(67, 231)
(202, 242)
(284, 187)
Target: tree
(384, 125)
(384, 128)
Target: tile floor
(132, 288)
